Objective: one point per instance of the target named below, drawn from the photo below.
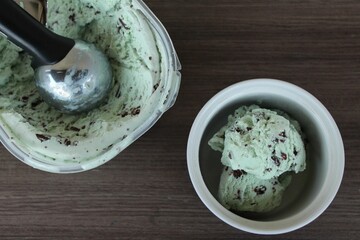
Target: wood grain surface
(145, 192)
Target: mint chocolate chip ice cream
(264, 144)
(140, 64)
(240, 191)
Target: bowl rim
(333, 174)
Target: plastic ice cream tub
(146, 85)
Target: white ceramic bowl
(310, 192)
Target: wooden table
(145, 192)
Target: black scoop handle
(22, 29)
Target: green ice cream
(139, 64)
(259, 147)
(262, 142)
(241, 191)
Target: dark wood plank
(145, 193)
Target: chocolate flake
(276, 160)
(122, 23)
(282, 134)
(75, 129)
(156, 86)
(72, 17)
(135, 111)
(295, 152)
(42, 137)
(237, 173)
(283, 156)
(260, 189)
(67, 142)
(118, 93)
(239, 130)
(108, 147)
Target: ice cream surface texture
(240, 191)
(260, 148)
(262, 142)
(140, 67)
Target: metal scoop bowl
(71, 75)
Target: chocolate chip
(72, 17)
(276, 160)
(123, 24)
(249, 128)
(156, 86)
(75, 129)
(67, 142)
(295, 152)
(260, 190)
(229, 155)
(226, 168)
(42, 137)
(283, 156)
(282, 134)
(239, 130)
(123, 137)
(118, 93)
(237, 173)
(135, 111)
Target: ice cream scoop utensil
(71, 75)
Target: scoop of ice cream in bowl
(265, 156)
(145, 84)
